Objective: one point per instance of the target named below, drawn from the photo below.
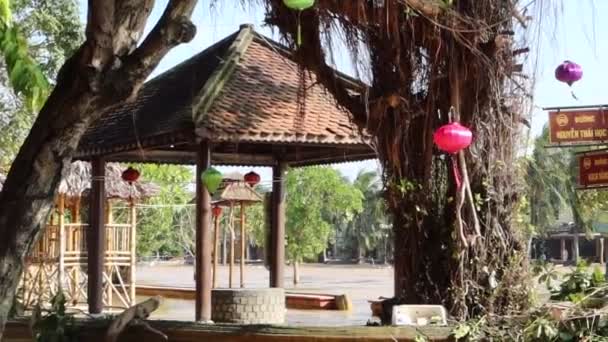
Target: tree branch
(130, 20)
(172, 29)
(98, 49)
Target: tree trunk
(109, 67)
(296, 273)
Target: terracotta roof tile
(257, 103)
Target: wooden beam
(96, 236)
(203, 238)
(277, 229)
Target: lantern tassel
(573, 95)
(457, 178)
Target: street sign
(581, 126)
(593, 169)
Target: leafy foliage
(551, 181)
(157, 229)
(370, 227)
(315, 197)
(56, 325)
(25, 74)
(36, 36)
(579, 283)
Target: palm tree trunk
(296, 273)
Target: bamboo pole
(231, 267)
(133, 248)
(242, 245)
(109, 248)
(61, 213)
(215, 249)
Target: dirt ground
(359, 282)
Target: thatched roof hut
(78, 182)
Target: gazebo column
(277, 226)
(600, 249)
(96, 236)
(203, 238)
(562, 249)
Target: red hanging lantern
(252, 179)
(216, 211)
(453, 137)
(130, 175)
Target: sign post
(581, 126)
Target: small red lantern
(130, 175)
(217, 211)
(252, 179)
(453, 137)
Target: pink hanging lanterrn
(568, 72)
(453, 138)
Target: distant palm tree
(370, 229)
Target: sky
(574, 31)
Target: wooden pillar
(242, 245)
(277, 228)
(216, 237)
(203, 238)
(562, 249)
(62, 241)
(133, 247)
(96, 236)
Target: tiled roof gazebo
(233, 104)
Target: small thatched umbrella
(234, 190)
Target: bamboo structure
(59, 259)
(216, 237)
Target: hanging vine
(425, 58)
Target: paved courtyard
(359, 282)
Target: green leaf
(5, 12)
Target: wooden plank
(94, 331)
